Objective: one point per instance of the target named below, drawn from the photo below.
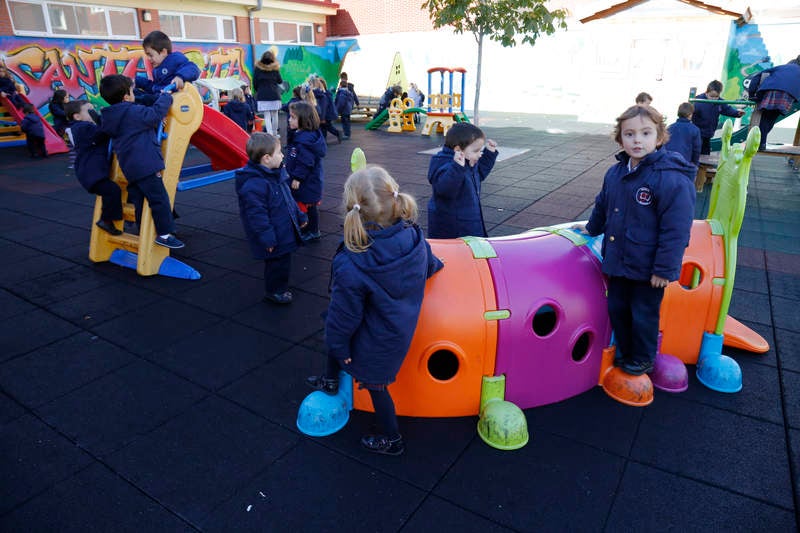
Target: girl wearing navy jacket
(238, 111)
(60, 97)
(270, 217)
(456, 174)
(304, 163)
(645, 211)
(377, 284)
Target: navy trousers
(152, 188)
(276, 274)
(112, 199)
(634, 309)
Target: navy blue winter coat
(91, 153)
(325, 107)
(240, 113)
(175, 64)
(266, 78)
(706, 116)
(344, 101)
(784, 78)
(59, 117)
(645, 215)
(454, 209)
(133, 131)
(684, 138)
(376, 298)
(270, 216)
(32, 125)
(304, 164)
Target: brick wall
(147, 27)
(5, 21)
(242, 29)
(365, 17)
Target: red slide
(222, 140)
(52, 141)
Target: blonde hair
(371, 195)
(307, 94)
(237, 94)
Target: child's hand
(269, 250)
(178, 81)
(491, 145)
(347, 361)
(658, 282)
(459, 158)
(741, 113)
(304, 224)
(295, 184)
(581, 228)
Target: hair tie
(394, 193)
(356, 207)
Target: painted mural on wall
(42, 65)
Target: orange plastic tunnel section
(455, 343)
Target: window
(72, 20)
(276, 31)
(192, 27)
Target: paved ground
(154, 404)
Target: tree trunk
(476, 117)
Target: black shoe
(282, 298)
(382, 444)
(637, 368)
(326, 385)
(619, 360)
(170, 241)
(108, 227)
(130, 227)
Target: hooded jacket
(454, 209)
(304, 164)
(270, 216)
(325, 108)
(266, 78)
(684, 138)
(91, 153)
(59, 117)
(376, 298)
(32, 125)
(344, 101)
(646, 216)
(784, 78)
(175, 64)
(240, 113)
(133, 131)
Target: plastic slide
(740, 135)
(52, 141)
(376, 122)
(222, 140)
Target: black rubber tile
(236, 257)
(767, 332)
(13, 252)
(11, 305)
(750, 306)
(791, 393)
(65, 236)
(779, 261)
(786, 313)
(751, 279)
(711, 445)
(103, 303)
(552, 482)
(788, 346)
(113, 410)
(292, 322)
(759, 398)
(325, 248)
(220, 353)
(32, 458)
(207, 453)
(156, 326)
(62, 285)
(162, 284)
(30, 331)
(31, 268)
(436, 514)
(592, 418)
(652, 500)
(9, 410)
(93, 500)
(784, 285)
(307, 269)
(226, 295)
(320, 479)
(47, 373)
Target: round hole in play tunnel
(443, 365)
(544, 321)
(691, 275)
(581, 348)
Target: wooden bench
(706, 169)
(366, 108)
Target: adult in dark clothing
(266, 81)
(706, 115)
(776, 95)
(33, 128)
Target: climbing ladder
(140, 251)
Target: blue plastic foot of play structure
(716, 371)
(321, 414)
(170, 267)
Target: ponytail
(356, 238)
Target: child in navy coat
(60, 118)
(706, 115)
(33, 128)
(684, 137)
(271, 219)
(456, 173)
(168, 68)
(344, 106)
(132, 128)
(8, 87)
(377, 284)
(92, 165)
(238, 111)
(304, 163)
(645, 212)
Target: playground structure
(188, 121)
(444, 108)
(11, 117)
(521, 321)
(401, 115)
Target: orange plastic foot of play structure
(737, 335)
(630, 390)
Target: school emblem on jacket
(644, 196)
(292, 152)
(164, 71)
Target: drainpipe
(250, 11)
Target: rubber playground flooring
(157, 404)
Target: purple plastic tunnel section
(551, 346)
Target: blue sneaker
(170, 241)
